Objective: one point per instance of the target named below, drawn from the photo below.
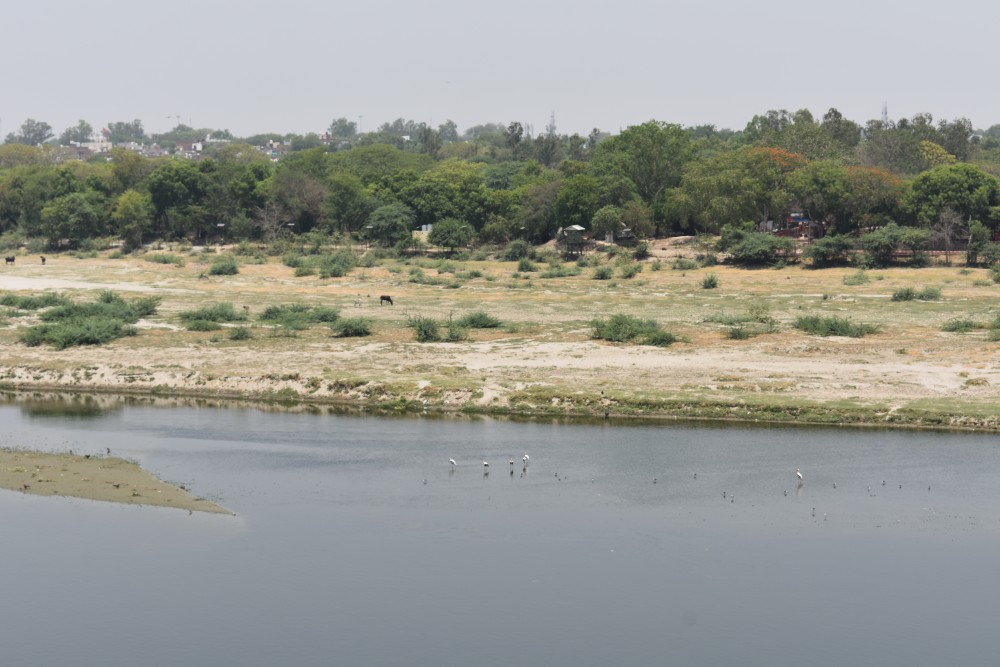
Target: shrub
(626, 328)
(859, 277)
(424, 328)
(108, 318)
(515, 250)
(337, 265)
(747, 246)
(202, 325)
(656, 265)
(622, 328)
(684, 264)
(661, 338)
(605, 273)
(352, 327)
(909, 294)
(960, 325)
(559, 271)
(224, 266)
(740, 332)
(479, 320)
(299, 316)
(77, 331)
(833, 326)
(304, 270)
(631, 270)
(904, 294)
(33, 302)
(219, 312)
(829, 250)
(641, 251)
(525, 265)
(164, 258)
(711, 281)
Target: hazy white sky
(293, 66)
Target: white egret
(798, 473)
(452, 462)
(525, 458)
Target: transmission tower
(885, 114)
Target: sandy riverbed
(105, 478)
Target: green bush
(641, 251)
(626, 328)
(33, 302)
(909, 294)
(833, 326)
(164, 258)
(299, 316)
(656, 265)
(219, 312)
(224, 266)
(77, 331)
(424, 328)
(479, 320)
(94, 323)
(684, 264)
(240, 333)
(904, 294)
(605, 273)
(711, 281)
(829, 251)
(202, 325)
(515, 250)
(961, 325)
(336, 265)
(661, 338)
(745, 245)
(859, 277)
(560, 271)
(525, 265)
(630, 270)
(352, 327)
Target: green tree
(964, 188)
(70, 219)
(133, 217)
(123, 132)
(606, 222)
(652, 156)
(391, 223)
(80, 133)
(577, 200)
(979, 236)
(342, 129)
(450, 233)
(32, 133)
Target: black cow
(385, 298)
(8, 260)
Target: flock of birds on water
(800, 478)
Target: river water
(355, 542)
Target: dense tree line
(500, 181)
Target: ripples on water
(342, 554)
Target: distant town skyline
(238, 66)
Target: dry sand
(549, 362)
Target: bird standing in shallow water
(452, 462)
(798, 473)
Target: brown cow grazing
(385, 298)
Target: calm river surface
(341, 554)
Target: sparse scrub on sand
(626, 328)
(833, 326)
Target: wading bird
(798, 473)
